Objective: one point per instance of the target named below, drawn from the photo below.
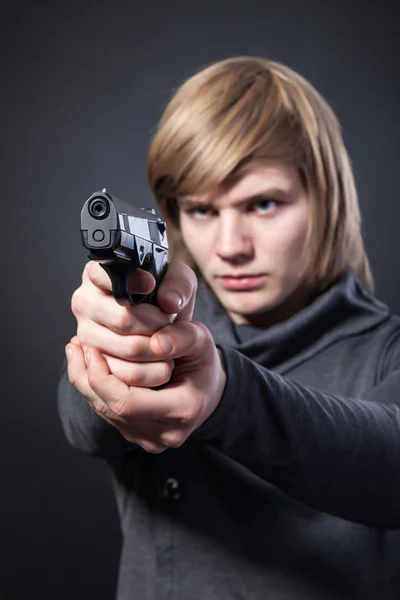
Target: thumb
(96, 363)
(112, 391)
(177, 292)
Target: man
(267, 463)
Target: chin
(249, 303)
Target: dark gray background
(82, 86)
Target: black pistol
(124, 238)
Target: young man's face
(247, 240)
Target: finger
(141, 282)
(126, 402)
(77, 374)
(139, 374)
(177, 291)
(94, 272)
(181, 339)
(127, 347)
(143, 319)
(146, 433)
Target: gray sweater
(291, 489)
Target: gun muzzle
(99, 223)
(99, 207)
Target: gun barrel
(99, 207)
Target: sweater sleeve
(338, 455)
(83, 428)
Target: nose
(233, 241)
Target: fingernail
(174, 298)
(165, 343)
(87, 356)
(68, 352)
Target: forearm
(83, 428)
(340, 455)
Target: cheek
(286, 239)
(296, 237)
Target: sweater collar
(346, 308)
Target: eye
(198, 212)
(265, 206)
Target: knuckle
(122, 408)
(134, 375)
(101, 409)
(133, 346)
(172, 439)
(78, 303)
(92, 270)
(104, 412)
(166, 369)
(187, 416)
(201, 333)
(122, 323)
(201, 329)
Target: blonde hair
(247, 109)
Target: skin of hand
(121, 353)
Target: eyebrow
(270, 194)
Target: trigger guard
(119, 274)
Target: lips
(246, 275)
(241, 282)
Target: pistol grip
(120, 271)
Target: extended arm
(339, 455)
